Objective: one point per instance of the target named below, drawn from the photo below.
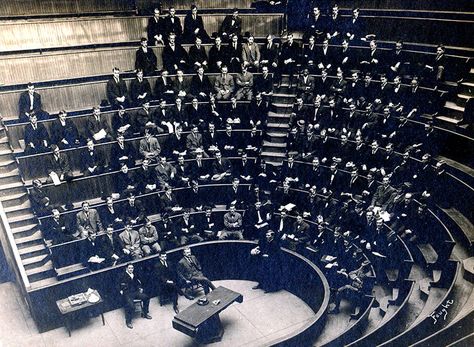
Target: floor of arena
(259, 319)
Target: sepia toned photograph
(236, 173)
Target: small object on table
(79, 303)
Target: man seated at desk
(190, 271)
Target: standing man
(131, 289)
(269, 255)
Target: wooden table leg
(68, 325)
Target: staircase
(274, 145)
(452, 113)
(23, 223)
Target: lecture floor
(259, 319)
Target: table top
(196, 314)
(65, 306)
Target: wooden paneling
(51, 7)
(422, 30)
(147, 5)
(440, 5)
(40, 34)
(17, 69)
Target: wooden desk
(202, 322)
(68, 311)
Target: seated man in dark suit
(174, 56)
(186, 230)
(165, 275)
(59, 164)
(236, 194)
(36, 136)
(166, 233)
(197, 55)
(156, 29)
(30, 102)
(217, 55)
(124, 182)
(133, 210)
(200, 86)
(90, 253)
(190, 271)
(110, 247)
(122, 152)
(91, 161)
(194, 26)
(122, 123)
(169, 203)
(140, 90)
(231, 25)
(164, 89)
(145, 58)
(97, 127)
(383, 196)
(195, 198)
(221, 169)
(298, 236)
(257, 220)
(40, 202)
(131, 288)
(207, 224)
(64, 132)
(110, 213)
(173, 24)
(55, 229)
(117, 92)
(200, 169)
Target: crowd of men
(359, 161)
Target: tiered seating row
(90, 187)
(81, 96)
(17, 69)
(16, 131)
(29, 35)
(35, 166)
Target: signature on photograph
(442, 312)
